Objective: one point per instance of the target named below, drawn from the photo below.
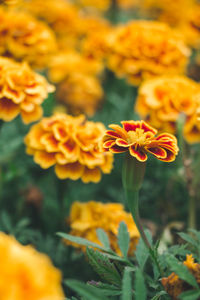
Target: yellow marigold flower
(71, 144)
(139, 138)
(81, 93)
(26, 273)
(68, 62)
(22, 91)
(161, 100)
(29, 39)
(191, 130)
(174, 285)
(127, 4)
(62, 16)
(101, 5)
(86, 218)
(144, 49)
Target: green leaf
(108, 289)
(103, 237)
(139, 286)
(84, 290)
(190, 295)
(80, 241)
(181, 270)
(157, 296)
(127, 285)
(186, 237)
(142, 253)
(123, 239)
(102, 265)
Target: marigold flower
(81, 93)
(4, 29)
(144, 49)
(161, 101)
(29, 39)
(71, 144)
(21, 91)
(86, 218)
(139, 138)
(19, 268)
(175, 286)
(101, 5)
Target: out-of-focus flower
(175, 286)
(62, 16)
(139, 139)
(29, 39)
(144, 49)
(22, 91)
(101, 5)
(19, 267)
(169, 11)
(86, 218)
(161, 101)
(4, 29)
(72, 144)
(81, 93)
(65, 63)
(128, 4)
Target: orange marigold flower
(29, 39)
(4, 29)
(161, 101)
(101, 5)
(86, 218)
(144, 49)
(19, 267)
(175, 286)
(22, 91)
(72, 145)
(139, 138)
(81, 93)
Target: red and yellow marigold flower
(138, 138)
(175, 286)
(145, 49)
(30, 274)
(22, 91)
(86, 218)
(72, 145)
(81, 93)
(161, 101)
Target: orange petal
(70, 149)
(113, 134)
(32, 116)
(119, 129)
(130, 125)
(121, 143)
(158, 152)
(170, 156)
(117, 149)
(146, 127)
(44, 159)
(59, 132)
(91, 175)
(138, 154)
(108, 143)
(72, 171)
(8, 109)
(49, 142)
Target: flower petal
(108, 144)
(130, 125)
(119, 130)
(146, 127)
(138, 154)
(91, 175)
(113, 134)
(44, 159)
(121, 143)
(170, 156)
(72, 171)
(117, 149)
(158, 152)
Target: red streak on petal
(138, 154)
(122, 143)
(147, 127)
(170, 157)
(108, 143)
(130, 125)
(117, 149)
(158, 152)
(113, 134)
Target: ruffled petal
(8, 110)
(91, 175)
(139, 154)
(108, 144)
(157, 152)
(72, 171)
(170, 156)
(121, 143)
(44, 159)
(130, 125)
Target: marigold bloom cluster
(25, 38)
(175, 286)
(161, 101)
(144, 49)
(139, 139)
(81, 93)
(22, 91)
(26, 273)
(71, 144)
(86, 218)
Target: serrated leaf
(108, 289)
(123, 238)
(127, 285)
(186, 237)
(85, 290)
(103, 237)
(80, 241)
(142, 253)
(102, 265)
(190, 295)
(157, 296)
(139, 286)
(181, 270)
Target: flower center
(137, 136)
